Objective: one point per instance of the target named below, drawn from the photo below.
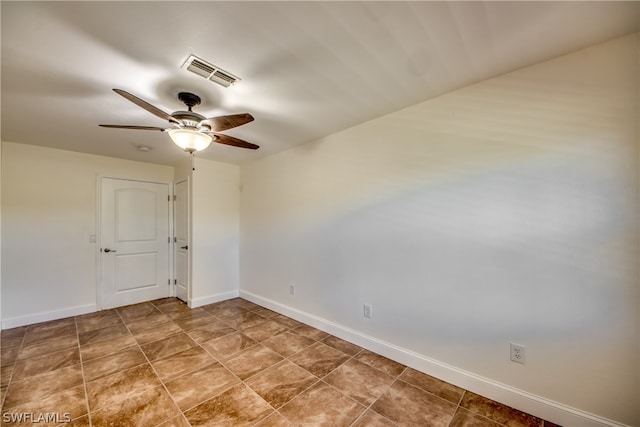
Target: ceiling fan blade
(144, 104)
(133, 127)
(230, 140)
(218, 124)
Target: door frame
(189, 238)
(98, 245)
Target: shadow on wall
(505, 210)
(531, 247)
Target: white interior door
(181, 246)
(134, 240)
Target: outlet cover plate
(518, 353)
(366, 311)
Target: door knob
(184, 247)
(109, 250)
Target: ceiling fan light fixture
(190, 140)
(191, 131)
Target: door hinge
(168, 198)
(175, 281)
(175, 240)
(168, 239)
(169, 282)
(174, 197)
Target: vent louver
(209, 71)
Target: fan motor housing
(189, 118)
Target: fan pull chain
(193, 161)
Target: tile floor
(232, 363)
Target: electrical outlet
(366, 311)
(518, 353)
(292, 289)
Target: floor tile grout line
(253, 309)
(15, 362)
(122, 321)
(370, 407)
(258, 342)
(84, 378)
(321, 379)
(221, 362)
(459, 406)
(11, 380)
(284, 358)
(152, 367)
(17, 359)
(395, 379)
(287, 358)
(182, 413)
(13, 368)
(367, 408)
(217, 360)
(464, 391)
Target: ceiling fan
(191, 131)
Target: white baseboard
(14, 322)
(535, 405)
(84, 309)
(210, 299)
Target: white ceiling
(308, 69)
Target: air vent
(209, 71)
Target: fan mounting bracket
(189, 99)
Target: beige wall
(216, 228)
(48, 213)
(1, 233)
(503, 212)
